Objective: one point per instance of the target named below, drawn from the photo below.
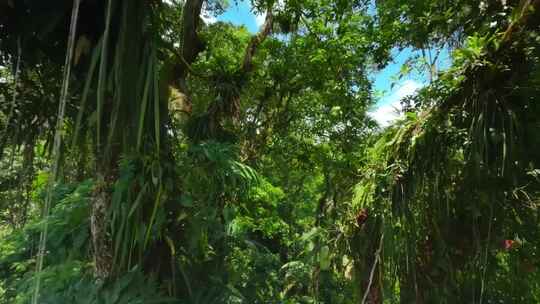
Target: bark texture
(101, 239)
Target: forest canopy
(151, 153)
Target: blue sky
(241, 14)
(389, 89)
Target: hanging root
(56, 149)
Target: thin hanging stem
(56, 148)
(103, 74)
(483, 283)
(372, 273)
(14, 97)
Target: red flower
(507, 244)
(361, 217)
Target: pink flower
(507, 244)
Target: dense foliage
(148, 156)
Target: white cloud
(386, 114)
(389, 112)
(208, 18)
(259, 19)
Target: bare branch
(190, 41)
(257, 40)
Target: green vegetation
(149, 157)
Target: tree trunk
(101, 238)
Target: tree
(202, 163)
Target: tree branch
(266, 30)
(190, 42)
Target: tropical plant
(150, 156)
